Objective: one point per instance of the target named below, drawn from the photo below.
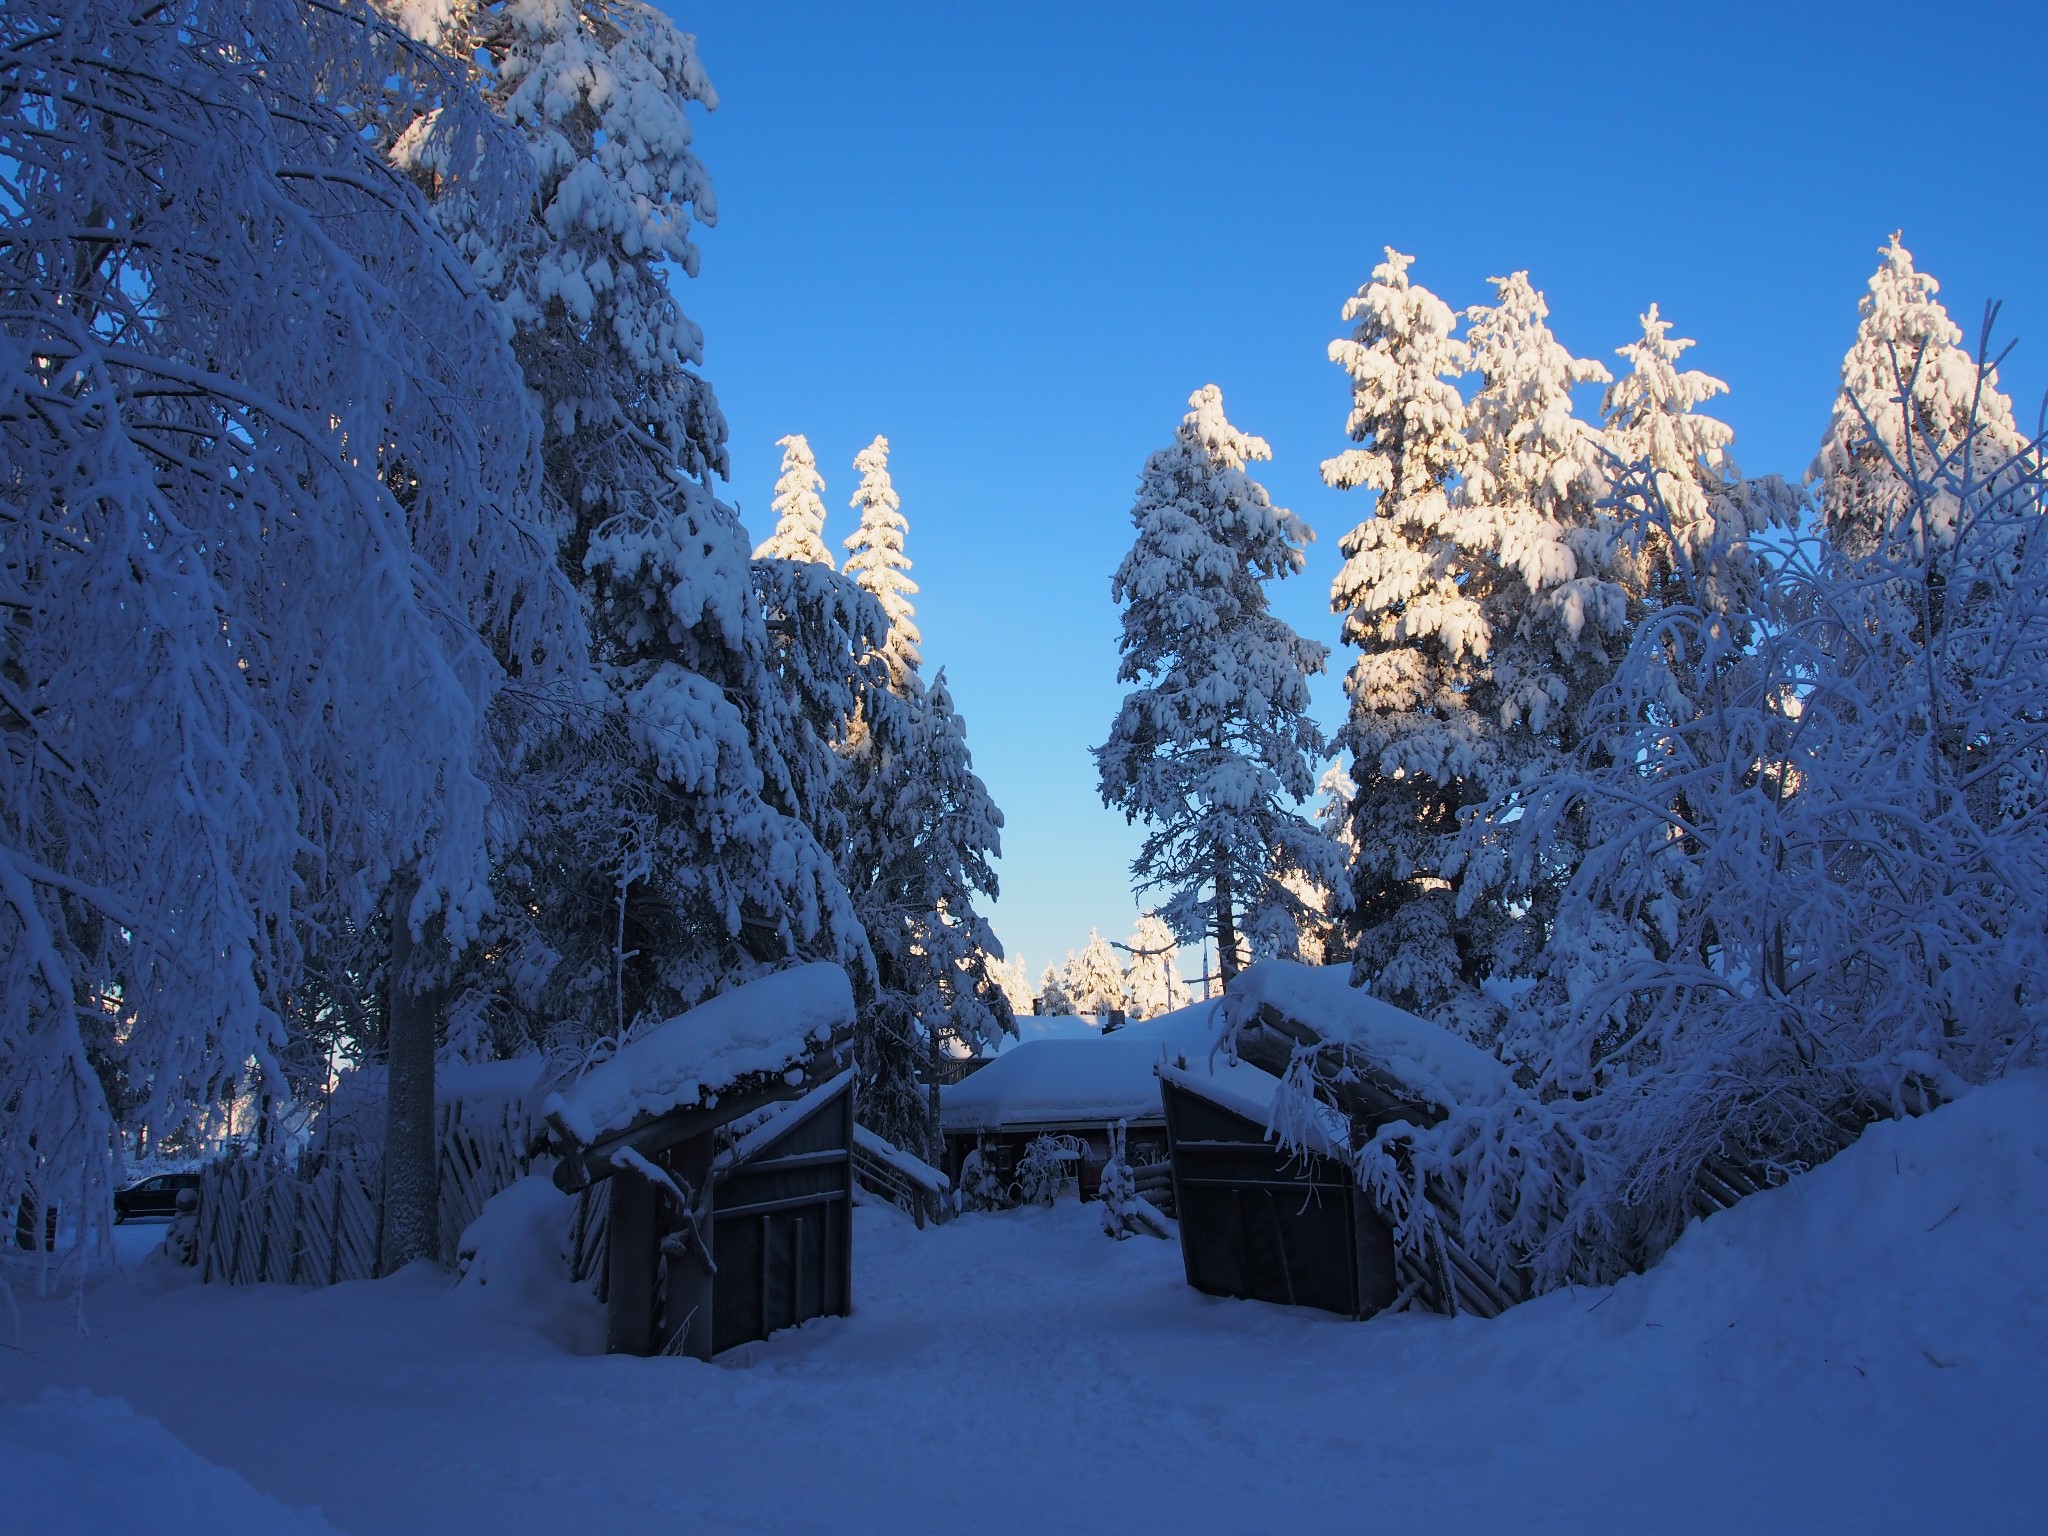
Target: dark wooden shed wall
(782, 1230)
(1266, 1225)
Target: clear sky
(1014, 239)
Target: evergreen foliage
(1214, 746)
(1152, 982)
(1808, 892)
(923, 835)
(1094, 977)
(663, 857)
(799, 508)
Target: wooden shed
(1373, 1066)
(781, 1218)
(725, 1137)
(1259, 1222)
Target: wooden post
(630, 1256)
(687, 1307)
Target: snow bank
(1915, 1252)
(72, 1464)
(1421, 1056)
(515, 1261)
(768, 1026)
(1861, 1350)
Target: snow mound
(765, 1027)
(515, 1262)
(72, 1464)
(1423, 1057)
(1915, 1253)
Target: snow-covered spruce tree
(1556, 618)
(1052, 994)
(1420, 754)
(1916, 414)
(799, 508)
(876, 560)
(1696, 502)
(1015, 977)
(923, 837)
(1479, 596)
(671, 861)
(1682, 529)
(1152, 983)
(1094, 977)
(1808, 896)
(1329, 936)
(1118, 1190)
(828, 638)
(1214, 746)
(270, 490)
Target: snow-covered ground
(1865, 1350)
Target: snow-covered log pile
(772, 1039)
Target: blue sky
(1015, 239)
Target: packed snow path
(1865, 1350)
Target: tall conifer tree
(1214, 746)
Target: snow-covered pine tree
(269, 487)
(1152, 983)
(877, 561)
(923, 837)
(1555, 616)
(1094, 977)
(799, 508)
(666, 856)
(1214, 746)
(1052, 993)
(1805, 898)
(1914, 410)
(1420, 754)
(1656, 429)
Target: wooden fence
(319, 1223)
(913, 1185)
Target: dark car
(157, 1196)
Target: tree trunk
(411, 1176)
(1226, 921)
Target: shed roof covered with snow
(1424, 1059)
(1097, 1079)
(771, 1039)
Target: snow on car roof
(765, 1027)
